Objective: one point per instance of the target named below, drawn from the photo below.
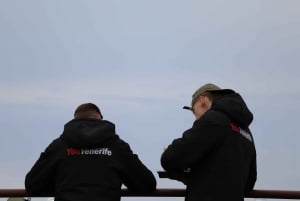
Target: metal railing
(271, 194)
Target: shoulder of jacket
(214, 117)
(120, 144)
(56, 145)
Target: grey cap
(205, 88)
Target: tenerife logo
(99, 151)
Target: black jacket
(218, 151)
(88, 162)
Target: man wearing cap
(88, 162)
(216, 158)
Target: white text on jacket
(99, 151)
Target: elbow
(149, 186)
(28, 186)
(144, 186)
(166, 163)
(152, 185)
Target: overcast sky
(140, 62)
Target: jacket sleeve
(252, 174)
(40, 179)
(195, 143)
(135, 175)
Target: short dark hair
(86, 108)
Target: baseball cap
(209, 87)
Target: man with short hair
(216, 158)
(88, 162)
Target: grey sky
(140, 61)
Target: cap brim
(187, 108)
(222, 91)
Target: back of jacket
(88, 162)
(219, 152)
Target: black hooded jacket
(88, 162)
(218, 151)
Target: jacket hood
(88, 133)
(235, 108)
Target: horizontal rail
(273, 194)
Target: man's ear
(204, 100)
